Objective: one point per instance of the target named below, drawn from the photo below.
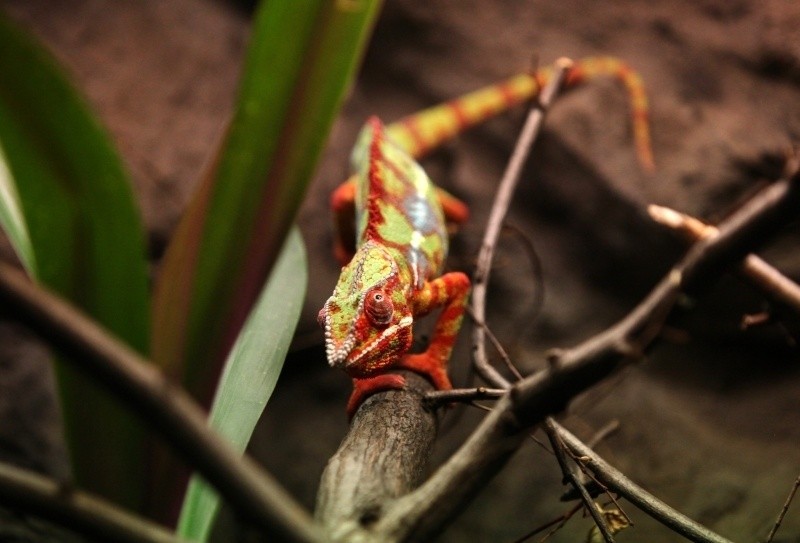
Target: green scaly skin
(395, 275)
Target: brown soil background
(709, 422)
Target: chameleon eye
(378, 307)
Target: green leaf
(11, 220)
(250, 374)
(301, 60)
(69, 211)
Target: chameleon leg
(449, 291)
(343, 203)
(455, 211)
(362, 388)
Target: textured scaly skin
(393, 252)
(426, 130)
(395, 275)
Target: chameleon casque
(392, 236)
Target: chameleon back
(396, 204)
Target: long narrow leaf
(250, 374)
(68, 209)
(301, 59)
(11, 219)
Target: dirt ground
(709, 422)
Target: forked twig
(645, 501)
(758, 272)
(497, 215)
(421, 512)
(570, 474)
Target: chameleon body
(392, 236)
(395, 274)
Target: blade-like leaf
(11, 220)
(68, 209)
(250, 374)
(301, 59)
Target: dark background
(709, 422)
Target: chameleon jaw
(342, 355)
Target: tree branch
(505, 192)
(619, 483)
(421, 513)
(162, 406)
(570, 474)
(772, 283)
(80, 512)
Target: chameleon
(391, 224)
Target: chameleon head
(367, 320)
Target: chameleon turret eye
(378, 307)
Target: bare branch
(645, 501)
(437, 398)
(497, 215)
(785, 508)
(570, 473)
(382, 457)
(421, 513)
(166, 408)
(759, 273)
(80, 512)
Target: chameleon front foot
(363, 388)
(431, 367)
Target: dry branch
(616, 481)
(422, 513)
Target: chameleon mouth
(337, 354)
(376, 344)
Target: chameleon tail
(422, 132)
(592, 67)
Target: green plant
(68, 210)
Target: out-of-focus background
(710, 422)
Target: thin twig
(559, 520)
(139, 385)
(609, 429)
(497, 215)
(782, 514)
(496, 344)
(758, 272)
(78, 511)
(645, 501)
(573, 477)
(436, 398)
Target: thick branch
(382, 458)
(164, 407)
(80, 512)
